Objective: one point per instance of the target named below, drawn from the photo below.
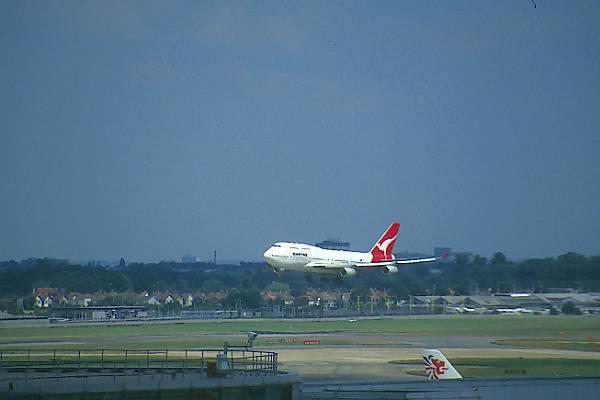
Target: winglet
(382, 250)
(438, 367)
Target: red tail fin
(384, 246)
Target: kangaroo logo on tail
(382, 250)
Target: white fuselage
(299, 257)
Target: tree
(277, 286)
(462, 259)
(210, 285)
(244, 299)
(570, 309)
(499, 258)
(479, 260)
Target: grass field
(519, 367)
(555, 326)
(571, 333)
(588, 344)
(551, 345)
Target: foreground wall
(159, 386)
(493, 389)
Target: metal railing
(34, 363)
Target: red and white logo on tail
(438, 367)
(382, 250)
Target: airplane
(438, 367)
(284, 256)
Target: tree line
(461, 276)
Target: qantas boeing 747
(304, 257)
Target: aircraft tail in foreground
(383, 248)
(438, 367)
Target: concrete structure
(174, 385)
(209, 314)
(109, 374)
(520, 303)
(187, 259)
(463, 389)
(100, 313)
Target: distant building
(187, 259)
(334, 244)
(100, 313)
(209, 314)
(153, 301)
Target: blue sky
(149, 130)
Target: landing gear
(275, 270)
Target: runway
(344, 363)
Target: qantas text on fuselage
(284, 256)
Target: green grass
(555, 344)
(521, 367)
(194, 334)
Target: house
(268, 295)
(62, 300)
(153, 301)
(80, 299)
(43, 301)
(45, 291)
(44, 297)
(142, 298)
(216, 297)
(283, 296)
(47, 301)
(184, 300)
(378, 298)
(179, 300)
(287, 298)
(330, 299)
(346, 299)
(313, 298)
(302, 300)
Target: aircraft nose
(267, 255)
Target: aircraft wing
(398, 262)
(329, 264)
(339, 264)
(345, 264)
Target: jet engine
(347, 272)
(389, 269)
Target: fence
(60, 364)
